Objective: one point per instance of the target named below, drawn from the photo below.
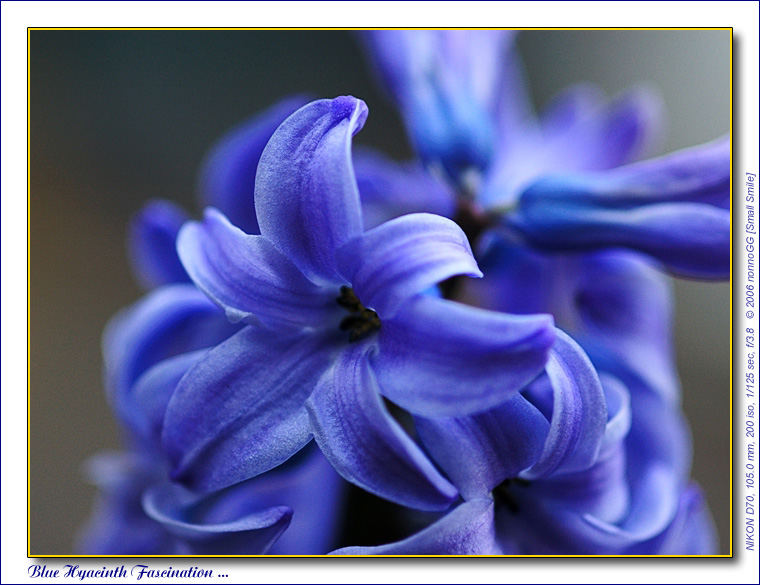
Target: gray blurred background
(120, 117)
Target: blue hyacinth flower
(573, 465)
(148, 348)
(139, 512)
(336, 318)
(559, 182)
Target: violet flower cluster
(479, 340)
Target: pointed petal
(227, 522)
(389, 189)
(440, 358)
(447, 85)
(249, 278)
(664, 208)
(307, 201)
(403, 257)
(151, 242)
(240, 410)
(467, 530)
(579, 412)
(228, 172)
(479, 452)
(169, 321)
(365, 445)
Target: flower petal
(152, 392)
(441, 358)
(584, 132)
(226, 522)
(403, 257)
(692, 531)
(240, 410)
(480, 451)
(467, 530)
(578, 132)
(447, 86)
(315, 492)
(389, 189)
(307, 201)
(664, 208)
(363, 442)
(118, 525)
(614, 303)
(249, 278)
(623, 309)
(151, 242)
(579, 412)
(228, 172)
(171, 320)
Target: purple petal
(153, 390)
(403, 257)
(664, 208)
(582, 132)
(151, 241)
(579, 132)
(601, 490)
(579, 412)
(692, 531)
(467, 530)
(118, 524)
(618, 414)
(169, 321)
(447, 86)
(240, 410)
(316, 512)
(364, 444)
(624, 316)
(614, 303)
(228, 172)
(227, 522)
(249, 278)
(441, 358)
(481, 451)
(389, 189)
(307, 201)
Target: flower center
(362, 322)
(503, 493)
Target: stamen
(362, 322)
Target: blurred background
(121, 117)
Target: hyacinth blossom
(148, 348)
(336, 318)
(562, 182)
(621, 488)
(279, 318)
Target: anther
(362, 321)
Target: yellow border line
(28, 293)
(28, 290)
